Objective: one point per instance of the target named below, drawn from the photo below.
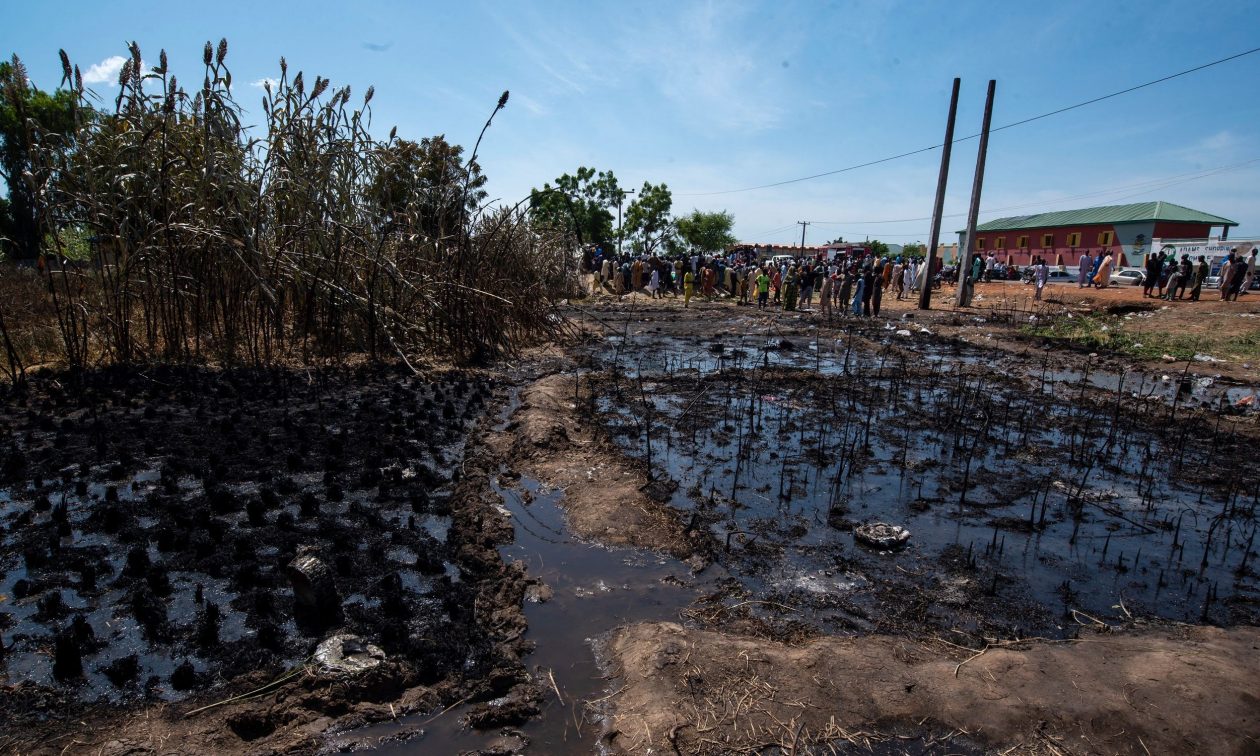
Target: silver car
(1130, 276)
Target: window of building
(980, 242)
(1047, 240)
(1105, 238)
(1022, 242)
(1074, 240)
(999, 243)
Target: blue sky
(713, 96)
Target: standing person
(689, 288)
(845, 290)
(1041, 274)
(1201, 271)
(922, 276)
(1154, 268)
(1237, 274)
(1185, 271)
(619, 282)
(898, 281)
(1223, 276)
(885, 272)
(763, 289)
(877, 295)
(824, 296)
(1174, 279)
(1083, 268)
(1251, 271)
(1102, 279)
(777, 283)
(1169, 268)
(654, 284)
(606, 273)
(636, 275)
(908, 275)
(858, 284)
(868, 290)
(807, 288)
(790, 291)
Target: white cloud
(105, 72)
(533, 106)
(264, 81)
(710, 71)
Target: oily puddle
(589, 591)
(1022, 507)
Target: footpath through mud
(642, 542)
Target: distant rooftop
(1135, 213)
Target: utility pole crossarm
(802, 224)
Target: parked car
(1060, 276)
(1134, 276)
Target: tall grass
(212, 241)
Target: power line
(1147, 186)
(973, 136)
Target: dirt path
(1180, 690)
(553, 438)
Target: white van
(779, 261)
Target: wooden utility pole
(802, 224)
(965, 285)
(925, 296)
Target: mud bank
(556, 438)
(1182, 690)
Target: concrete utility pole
(621, 195)
(802, 224)
(965, 289)
(925, 296)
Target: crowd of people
(848, 283)
(1167, 278)
(857, 282)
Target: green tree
(707, 232)
(580, 204)
(647, 218)
(26, 114)
(877, 247)
(420, 186)
(914, 250)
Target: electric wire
(1145, 186)
(974, 136)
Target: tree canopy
(648, 222)
(421, 186)
(24, 107)
(707, 232)
(579, 204)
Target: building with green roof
(1124, 231)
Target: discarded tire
(881, 535)
(346, 654)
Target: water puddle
(589, 591)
